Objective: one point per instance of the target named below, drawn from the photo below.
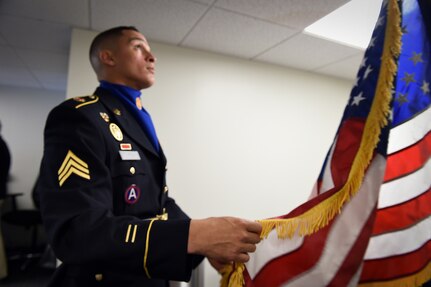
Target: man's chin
(146, 84)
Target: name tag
(129, 155)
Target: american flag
(399, 251)
(376, 174)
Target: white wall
(23, 113)
(242, 138)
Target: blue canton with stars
(412, 86)
(411, 95)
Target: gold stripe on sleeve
(128, 232)
(146, 249)
(134, 233)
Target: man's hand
(224, 239)
(217, 265)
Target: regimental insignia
(138, 103)
(79, 99)
(72, 165)
(132, 194)
(105, 117)
(117, 112)
(116, 132)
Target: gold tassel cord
(232, 275)
(320, 215)
(225, 273)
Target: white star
(363, 63)
(357, 99)
(356, 82)
(391, 115)
(372, 42)
(367, 72)
(380, 21)
(425, 87)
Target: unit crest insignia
(105, 117)
(116, 132)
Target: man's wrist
(193, 246)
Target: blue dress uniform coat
(105, 202)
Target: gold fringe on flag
(417, 279)
(320, 215)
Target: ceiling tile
(346, 69)
(208, 2)
(9, 58)
(73, 12)
(19, 77)
(49, 68)
(234, 34)
(52, 81)
(2, 41)
(307, 52)
(297, 14)
(13, 71)
(35, 34)
(162, 20)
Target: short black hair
(102, 37)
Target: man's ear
(106, 58)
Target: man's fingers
(248, 248)
(252, 238)
(242, 258)
(253, 226)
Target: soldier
(104, 198)
(5, 161)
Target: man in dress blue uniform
(104, 198)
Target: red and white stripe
(400, 230)
(400, 245)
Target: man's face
(134, 63)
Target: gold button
(166, 189)
(132, 170)
(99, 277)
(117, 112)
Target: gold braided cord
(320, 215)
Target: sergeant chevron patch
(72, 164)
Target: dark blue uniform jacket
(105, 202)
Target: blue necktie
(131, 98)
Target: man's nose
(151, 58)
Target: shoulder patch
(84, 101)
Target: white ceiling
(35, 34)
